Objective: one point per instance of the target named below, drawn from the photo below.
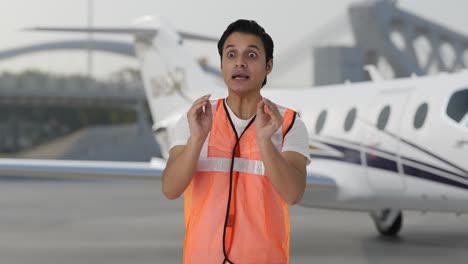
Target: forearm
(179, 170)
(288, 181)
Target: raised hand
(267, 121)
(200, 118)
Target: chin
(241, 90)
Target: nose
(241, 63)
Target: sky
(290, 23)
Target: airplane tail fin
(172, 77)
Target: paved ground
(131, 142)
(128, 222)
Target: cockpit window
(457, 108)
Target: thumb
(260, 108)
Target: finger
(206, 100)
(268, 102)
(208, 105)
(275, 115)
(197, 105)
(274, 110)
(201, 99)
(260, 108)
(272, 106)
(196, 108)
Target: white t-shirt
(296, 139)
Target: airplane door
(381, 155)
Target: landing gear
(388, 221)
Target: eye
(231, 54)
(252, 55)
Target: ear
(269, 66)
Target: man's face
(243, 63)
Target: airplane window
(320, 121)
(383, 117)
(349, 121)
(420, 116)
(457, 107)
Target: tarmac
(49, 221)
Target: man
(239, 161)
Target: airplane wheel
(388, 222)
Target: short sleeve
(297, 139)
(180, 133)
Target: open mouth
(240, 77)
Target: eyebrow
(250, 46)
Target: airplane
(382, 147)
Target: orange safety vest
(233, 214)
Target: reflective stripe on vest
(235, 214)
(224, 165)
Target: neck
(243, 107)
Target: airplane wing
(110, 170)
(321, 191)
(64, 169)
(322, 181)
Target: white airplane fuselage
(402, 163)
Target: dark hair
(249, 27)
